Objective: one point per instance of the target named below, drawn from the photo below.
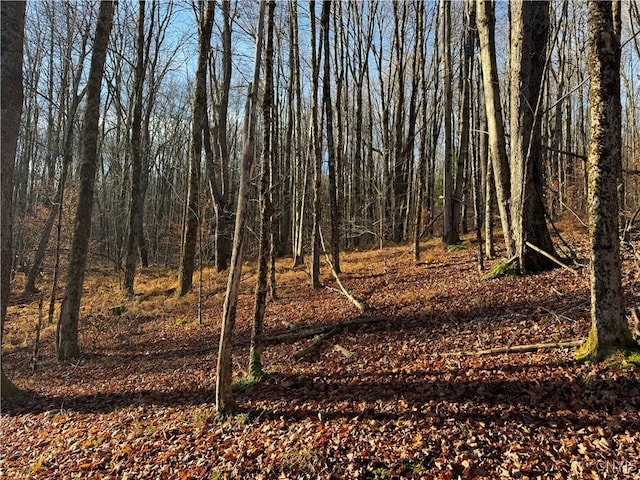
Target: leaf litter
(140, 401)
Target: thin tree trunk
(316, 151)
(331, 151)
(495, 122)
(67, 346)
(135, 213)
(449, 235)
(266, 207)
(199, 117)
(225, 404)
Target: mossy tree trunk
(67, 333)
(12, 18)
(609, 330)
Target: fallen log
(533, 347)
(316, 344)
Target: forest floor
(378, 400)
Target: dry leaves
(140, 402)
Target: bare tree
(315, 147)
(67, 333)
(266, 207)
(199, 117)
(334, 208)
(135, 212)
(529, 33)
(225, 404)
(495, 122)
(609, 329)
(12, 35)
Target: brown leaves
(139, 405)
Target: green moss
(509, 268)
(457, 247)
(617, 356)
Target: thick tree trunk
(225, 404)
(67, 346)
(609, 328)
(495, 122)
(12, 34)
(529, 32)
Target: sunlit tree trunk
(225, 403)
(224, 217)
(67, 346)
(495, 122)
(449, 236)
(609, 329)
(12, 34)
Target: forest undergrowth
(385, 399)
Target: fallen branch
(315, 345)
(307, 332)
(430, 224)
(534, 347)
(552, 258)
(361, 305)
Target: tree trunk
(135, 212)
(331, 151)
(529, 32)
(67, 346)
(225, 404)
(12, 19)
(266, 208)
(316, 152)
(199, 117)
(609, 329)
(224, 218)
(449, 235)
(495, 123)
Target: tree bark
(67, 346)
(225, 403)
(135, 212)
(331, 151)
(495, 122)
(609, 329)
(266, 208)
(12, 35)
(199, 117)
(529, 32)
